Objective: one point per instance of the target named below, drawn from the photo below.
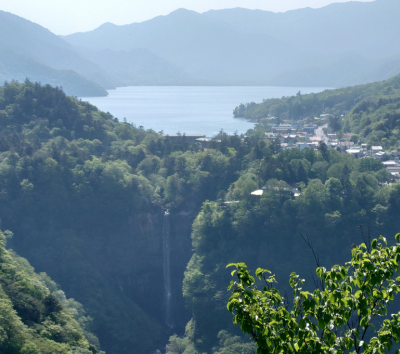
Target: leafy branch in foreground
(334, 319)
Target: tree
(323, 149)
(302, 174)
(350, 301)
(355, 138)
(276, 146)
(334, 123)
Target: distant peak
(107, 25)
(183, 11)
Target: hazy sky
(69, 16)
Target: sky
(64, 17)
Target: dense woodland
(35, 316)
(73, 178)
(338, 193)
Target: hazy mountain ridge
(337, 45)
(34, 52)
(254, 47)
(39, 55)
(14, 66)
(136, 67)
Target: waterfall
(167, 270)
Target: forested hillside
(338, 195)
(371, 111)
(35, 316)
(85, 196)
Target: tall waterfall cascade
(167, 270)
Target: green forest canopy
(35, 316)
(73, 177)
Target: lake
(188, 109)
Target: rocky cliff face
(116, 272)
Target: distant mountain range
(28, 50)
(337, 45)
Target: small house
(344, 145)
(354, 152)
(390, 163)
(379, 155)
(302, 146)
(203, 141)
(178, 138)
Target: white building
(354, 152)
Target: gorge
(85, 197)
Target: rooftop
(353, 151)
(257, 192)
(187, 135)
(346, 143)
(390, 163)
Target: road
(320, 133)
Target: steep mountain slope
(85, 197)
(338, 194)
(35, 316)
(239, 46)
(205, 49)
(14, 66)
(25, 46)
(136, 67)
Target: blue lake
(191, 110)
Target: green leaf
(358, 294)
(319, 272)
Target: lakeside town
(310, 133)
(302, 135)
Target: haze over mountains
(29, 50)
(338, 45)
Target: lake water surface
(186, 109)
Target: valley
(141, 163)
